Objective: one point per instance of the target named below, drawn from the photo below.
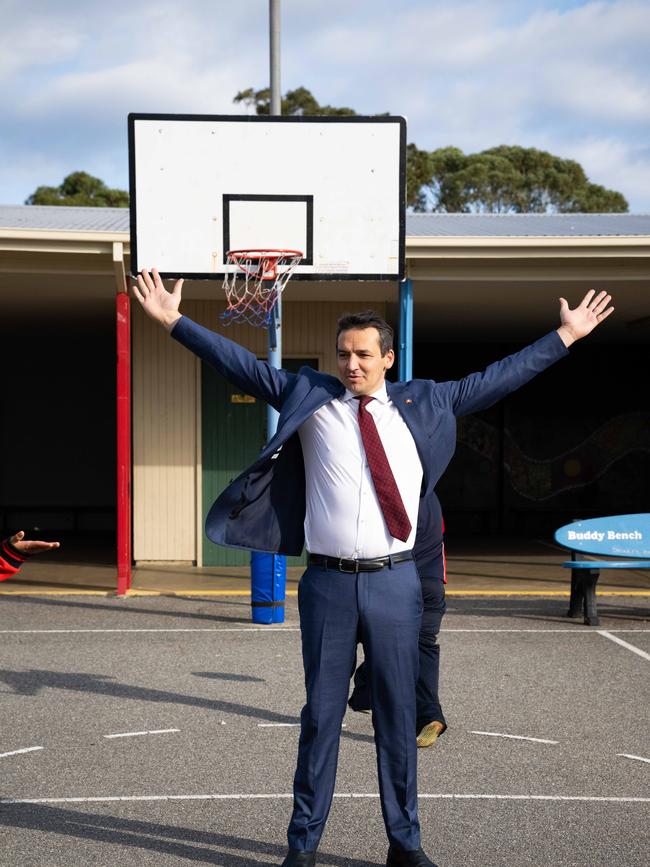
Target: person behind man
(343, 476)
(429, 557)
(15, 550)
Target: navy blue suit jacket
(264, 508)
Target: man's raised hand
(156, 301)
(582, 320)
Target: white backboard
(332, 187)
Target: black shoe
(299, 858)
(408, 858)
(355, 705)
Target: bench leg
(589, 581)
(576, 600)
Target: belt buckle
(348, 571)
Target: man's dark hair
(367, 319)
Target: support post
(406, 330)
(123, 331)
(268, 571)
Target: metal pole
(406, 330)
(268, 571)
(123, 316)
(274, 33)
(275, 326)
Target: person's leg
(390, 608)
(427, 697)
(360, 698)
(327, 603)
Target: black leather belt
(353, 566)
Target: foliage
(295, 102)
(509, 179)
(504, 179)
(82, 190)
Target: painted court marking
(629, 756)
(514, 737)
(137, 734)
(154, 629)
(637, 650)
(18, 752)
(271, 629)
(285, 725)
(342, 795)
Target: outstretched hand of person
(582, 320)
(156, 301)
(27, 547)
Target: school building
(573, 443)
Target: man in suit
(344, 475)
(429, 557)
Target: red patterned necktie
(390, 500)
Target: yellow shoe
(430, 733)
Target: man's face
(362, 367)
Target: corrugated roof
(61, 218)
(526, 225)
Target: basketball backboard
(332, 187)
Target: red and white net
(254, 283)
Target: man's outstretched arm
(236, 364)
(478, 391)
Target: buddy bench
(619, 536)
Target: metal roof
(526, 225)
(59, 218)
(65, 219)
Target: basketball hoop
(255, 282)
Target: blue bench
(624, 538)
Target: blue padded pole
(269, 571)
(405, 356)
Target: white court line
(160, 629)
(637, 650)
(136, 734)
(514, 737)
(628, 756)
(285, 725)
(18, 752)
(270, 630)
(341, 795)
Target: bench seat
(606, 564)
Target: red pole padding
(123, 311)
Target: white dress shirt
(343, 516)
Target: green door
(233, 432)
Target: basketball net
(255, 282)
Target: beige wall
(166, 415)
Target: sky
(572, 78)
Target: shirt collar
(380, 395)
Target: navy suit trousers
(383, 611)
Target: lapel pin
(408, 400)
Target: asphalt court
(164, 730)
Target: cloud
(570, 77)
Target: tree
(295, 102)
(503, 179)
(510, 179)
(82, 190)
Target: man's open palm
(156, 301)
(591, 311)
